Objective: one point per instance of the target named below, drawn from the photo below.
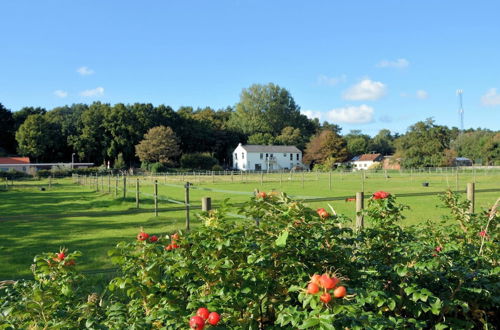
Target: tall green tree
(21, 115)
(268, 109)
(382, 143)
(423, 145)
(91, 141)
(7, 131)
(291, 137)
(160, 145)
(357, 143)
(35, 138)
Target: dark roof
(14, 160)
(277, 149)
(368, 157)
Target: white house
(365, 161)
(262, 158)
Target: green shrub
(255, 273)
(217, 168)
(13, 175)
(199, 161)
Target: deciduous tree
(160, 145)
(327, 145)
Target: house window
(291, 156)
(235, 155)
(243, 165)
(242, 155)
(284, 155)
(261, 156)
(267, 155)
(297, 156)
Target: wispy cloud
(99, 91)
(331, 81)
(311, 114)
(398, 64)
(491, 98)
(352, 114)
(60, 93)
(366, 90)
(85, 71)
(421, 94)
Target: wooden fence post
(186, 201)
(109, 183)
(137, 193)
(116, 186)
(206, 204)
(96, 182)
(363, 180)
(156, 198)
(360, 223)
(456, 179)
(471, 195)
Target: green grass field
(80, 218)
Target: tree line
(128, 134)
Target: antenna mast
(460, 109)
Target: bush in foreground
(288, 267)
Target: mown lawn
(79, 218)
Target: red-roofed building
(365, 161)
(14, 163)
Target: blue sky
(364, 65)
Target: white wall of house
(362, 165)
(263, 161)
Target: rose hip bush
(286, 266)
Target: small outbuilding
(365, 161)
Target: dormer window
(235, 155)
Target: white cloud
(491, 98)
(85, 71)
(399, 63)
(331, 81)
(311, 114)
(60, 93)
(99, 91)
(421, 94)
(352, 114)
(366, 90)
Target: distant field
(80, 218)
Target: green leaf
(391, 304)
(436, 306)
(281, 240)
(402, 271)
(309, 323)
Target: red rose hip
(214, 318)
(197, 322)
(312, 288)
(325, 297)
(339, 292)
(203, 313)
